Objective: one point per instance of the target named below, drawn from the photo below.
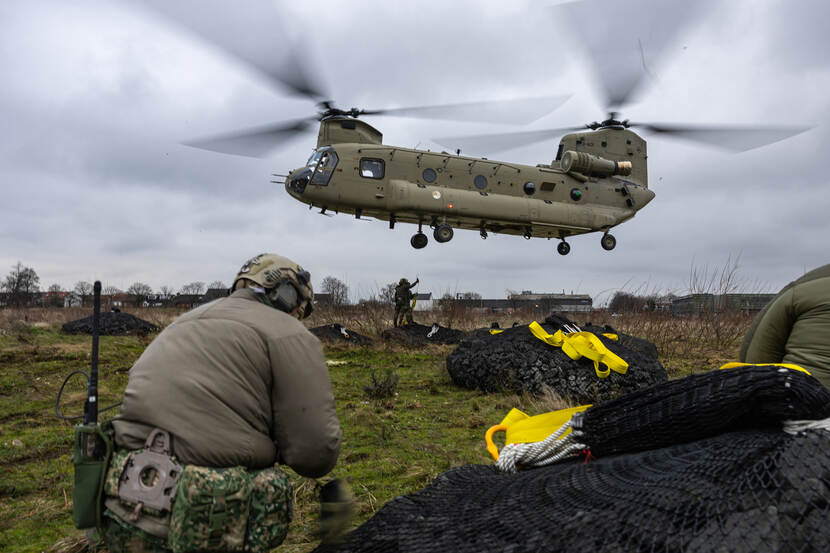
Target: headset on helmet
(285, 285)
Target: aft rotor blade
(250, 31)
(624, 40)
(516, 111)
(254, 142)
(486, 143)
(736, 139)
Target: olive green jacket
(236, 383)
(795, 327)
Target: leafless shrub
(382, 389)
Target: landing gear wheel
(419, 240)
(563, 248)
(608, 242)
(443, 233)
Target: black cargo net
(752, 489)
(517, 361)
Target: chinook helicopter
(597, 179)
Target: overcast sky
(97, 96)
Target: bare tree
(54, 298)
(387, 293)
(217, 284)
(166, 292)
(196, 287)
(82, 289)
(139, 291)
(110, 291)
(337, 289)
(21, 284)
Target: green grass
(391, 447)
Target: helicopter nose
(297, 181)
(642, 196)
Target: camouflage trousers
(118, 538)
(403, 314)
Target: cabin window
(480, 182)
(548, 186)
(372, 168)
(325, 167)
(559, 152)
(529, 188)
(429, 175)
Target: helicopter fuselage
(437, 188)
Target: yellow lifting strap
(611, 336)
(582, 344)
(520, 428)
(790, 366)
(495, 331)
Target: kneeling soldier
(221, 395)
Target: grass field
(390, 447)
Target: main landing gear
(419, 239)
(563, 247)
(442, 233)
(608, 242)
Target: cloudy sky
(97, 96)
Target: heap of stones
(111, 323)
(338, 334)
(516, 361)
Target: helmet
(403, 281)
(285, 284)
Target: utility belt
(192, 508)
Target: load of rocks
(336, 333)
(517, 361)
(417, 335)
(111, 323)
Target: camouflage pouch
(210, 511)
(270, 510)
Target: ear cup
(285, 297)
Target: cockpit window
(315, 157)
(371, 168)
(325, 167)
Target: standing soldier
(403, 301)
(221, 395)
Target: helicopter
(597, 179)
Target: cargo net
(743, 484)
(516, 361)
(111, 324)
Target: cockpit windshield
(325, 166)
(315, 157)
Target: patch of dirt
(111, 324)
(417, 335)
(337, 334)
(516, 361)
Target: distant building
(527, 300)
(424, 302)
(322, 299)
(696, 304)
(213, 294)
(185, 300)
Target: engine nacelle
(593, 166)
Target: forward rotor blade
(250, 31)
(254, 142)
(486, 143)
(625, 39)
(518, 111)
(736, 139)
